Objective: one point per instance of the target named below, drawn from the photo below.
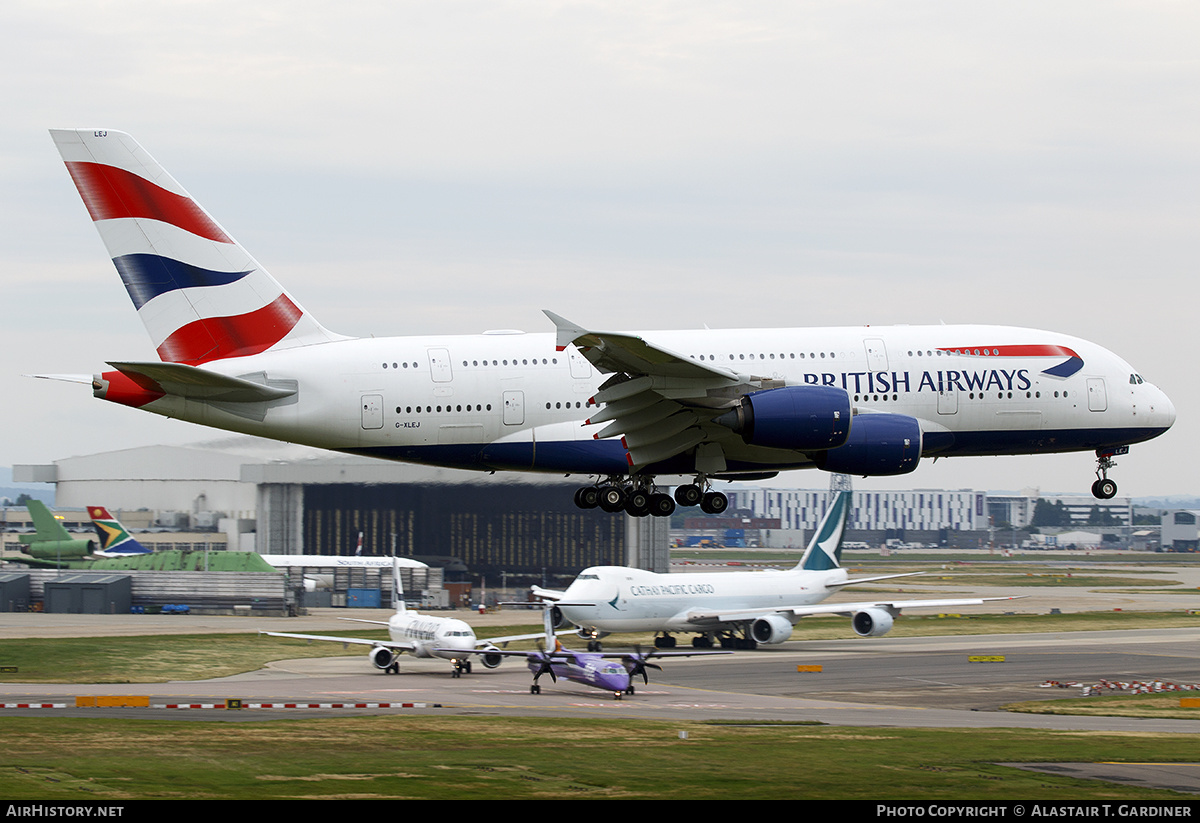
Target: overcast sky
(445, 167)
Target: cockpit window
(1136, 380)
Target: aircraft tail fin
(199, 293)
(397, 587)
(824, 551)
(115, 541)
(45, 523)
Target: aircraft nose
(1167, 409)
(1162, 410)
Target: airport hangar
(282, 499)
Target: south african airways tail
(115, 541)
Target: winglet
(567, 331)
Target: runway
(942, 682)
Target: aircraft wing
(347, 641)
(871, 579)
(659, 401)
(483, 641)
(621, 352)
(547, 594)
(893, 606)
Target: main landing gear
(1103, 488)
(639, 497)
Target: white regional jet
(421, 635)
(238, 352)
(739, 609)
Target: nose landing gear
(1103, 488)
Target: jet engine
(872, 622)
(558, 619)
(771, 629)
(879, 445)
(793, 417)
(382, 657)
(491, 661)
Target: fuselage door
(372, 411)
(948, 401)
(439, 365)
(876, 354)
(514, 408)
(581, 369)
(1097, 395)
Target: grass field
(459, 758)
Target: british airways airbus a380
(237, 352)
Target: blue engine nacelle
(872, 622)
(772, 628)
(879, 445)
(803, 418)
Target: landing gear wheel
(587, 497)
(661, 505)
(1104, 489)
(637, 503)
(535, 689)
(689, 495)
(612, 499)
(714, 503)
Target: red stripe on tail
(110, 192)
(216, 338)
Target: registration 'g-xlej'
(238, 352)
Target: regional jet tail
(115, 541)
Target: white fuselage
(624, 599)
(513, 402)
(443, 637)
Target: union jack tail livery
(201, 296)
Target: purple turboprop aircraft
(609, 671)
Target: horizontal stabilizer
(190, 381)
(85, 379)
